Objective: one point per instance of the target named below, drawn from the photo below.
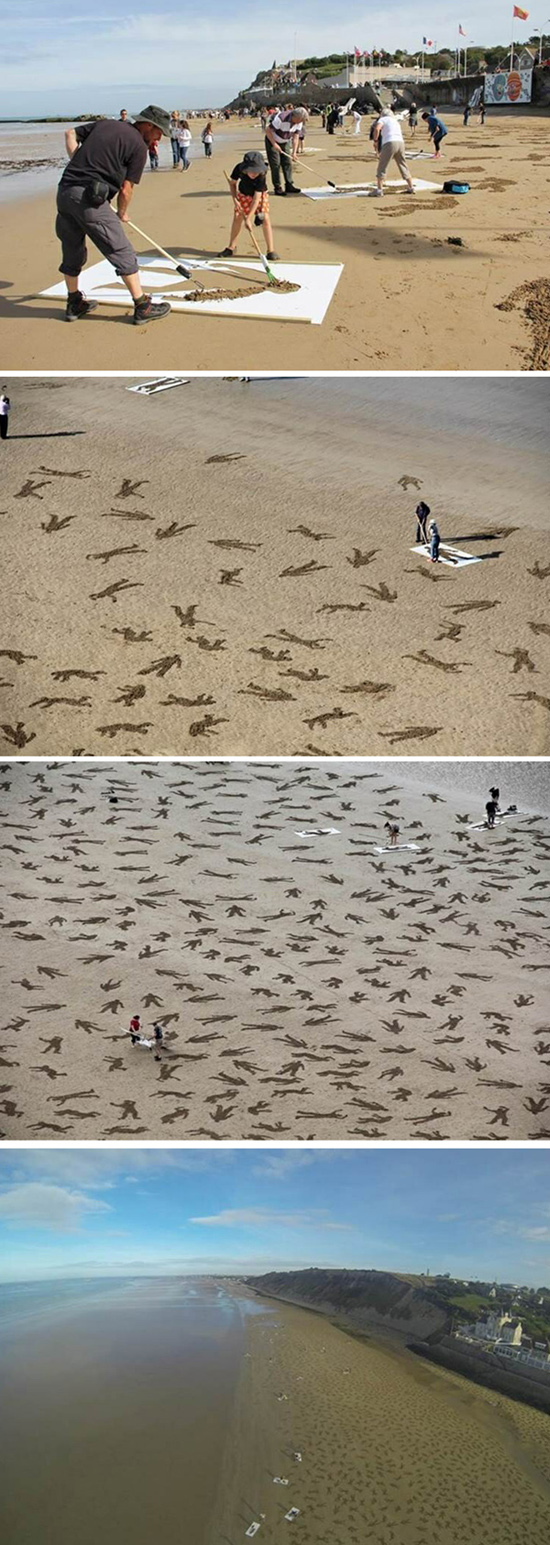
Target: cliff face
(359, 1299)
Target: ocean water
(117, 1399)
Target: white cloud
(260, 1217)
(36, 1205)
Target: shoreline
(380, 1436)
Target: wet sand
(115, 1416)
(392, 1451)
(309, 986)
(407, 300)
(228, 568)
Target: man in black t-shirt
(106, 159)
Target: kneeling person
(251, 201)
(107, 158)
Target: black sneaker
(77, 307)
(294, 190)
(228, 252)
(279, 192)
(274, 257)
(148, 310)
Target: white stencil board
(317, 283)
(453, 556)
(366, 190)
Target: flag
(522, 15)
(357, 52)
(461, 31)
(427, 42)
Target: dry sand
(393, 1451)
(309, 987)
(229, 568)
(406, 300)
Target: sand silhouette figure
(126, 598)
(307, 985)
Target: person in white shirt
(357, 121)
(184, 137)
(4, 413)
(207, 138)
(389, 145)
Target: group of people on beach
(137, 1037)
(426, 533)
(181, 140)
(107, 159)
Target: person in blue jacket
(437, 130)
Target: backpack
(456, 187)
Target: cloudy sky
(78, 1212)
(67, 57)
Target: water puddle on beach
(115, 1410)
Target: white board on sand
(367, 189)
(501, 815)
(320, 831)
(317, 283)
(453, 556)
(396, 846)
(160, 384)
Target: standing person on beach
(433, 533)
(281, 143)
(174, 126)
(393, 832)
(184, 137)
(4, 413)
(357, 121)
(389, 145)
(248, 184)
(158, 1037)
(207, 138)
(491, 810)
(135, 1029)
(413, 119)
(437, 130)
(466, 115)
(422, 511)
(106, 158)
(482, 111)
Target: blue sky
(64, 56)
(85, 1212)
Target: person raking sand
(248, 186)
(389, 145)
(106, 158)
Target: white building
(497, 1327)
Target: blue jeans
(434, 547)
(184, 156)
(175, 152)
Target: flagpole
(512, 43)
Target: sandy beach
(309, 983)
(392, 1450)
(231, 569)
(407, 298)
